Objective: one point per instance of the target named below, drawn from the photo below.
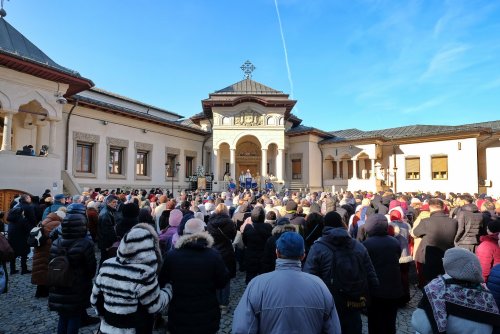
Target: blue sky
(366, 64)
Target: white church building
(98, 139)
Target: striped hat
(139, 245)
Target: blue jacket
(286, 301)
(494, 283)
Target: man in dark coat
(106, 234)
(295, 219)
(470, 224)
(437, 233)
(21, 220)
(384, 252)
(195, 271)
(71, 302)
(319, 262)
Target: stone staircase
(296, 185)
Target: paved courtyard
(20, 312)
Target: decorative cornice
(171, 150)
(86, 137)
(189, 153)
(143, 146)
(117, 142)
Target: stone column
(232, 162)
(279, 165)
(372, 176)
(7, 130)
(354, 169)
(263, 170)
(338, 169)
(52, 137)
(38, 144)
(217, 164)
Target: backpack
(36, 237)
(348, 280)
(60, 273)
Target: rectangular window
(189, 166)
(141, 163)
(334, 169)
(116, 160)
(412, 168)
(227, 167)
(349, 169)
(171, 165)
(439, 167)
(296, 169)
(84, 153)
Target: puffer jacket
(223, 230)
(80, 252)
(41, 254)
(255, 236)
(106, 234)
(488, 253)
(470, 222)
(320, 257)
(384, 252)
(269, 257)
(268, 306)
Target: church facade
(98, 139)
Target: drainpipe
(395, 168)
(67, 135)
(322, 176)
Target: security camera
(61, 100)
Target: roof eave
(76, 83)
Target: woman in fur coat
(126, 293)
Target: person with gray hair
(196, 271)
(77, 199)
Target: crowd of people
(313, 262)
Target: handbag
(238, 240)
(6, 251)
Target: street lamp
(173, 172)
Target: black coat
(21, 220)
(269, 257)
(106, 228)
(223, 230)
(255, 237)
(195, 271)
(384, 252)
(436, 231)
(80, 251)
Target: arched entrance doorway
(248, 156)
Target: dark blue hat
(59, 197)
(290, 245)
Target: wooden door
(6, 197)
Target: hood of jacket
(490, 237)
(376, 225)
(78, 208)
(140, 246)
(470, 208)
(196, 240)
(337, 236)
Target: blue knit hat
(290, 245)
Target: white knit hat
(463, 265)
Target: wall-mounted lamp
(104, 122)
(60, 99)
(459, 146)
(144, 131)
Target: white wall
(462, 165)
(493, 168)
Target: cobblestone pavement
(21, 312)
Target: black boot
(24, 266)
(13, 267)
